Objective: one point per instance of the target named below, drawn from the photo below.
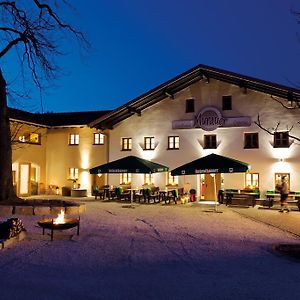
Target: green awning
(130, 164)
(212, 163)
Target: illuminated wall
(157, 120)
(61, 156)
(35, 154)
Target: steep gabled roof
(68, 119)
(171, 87)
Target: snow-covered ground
(150, 252)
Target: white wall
(157, 121)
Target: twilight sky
(139, 44)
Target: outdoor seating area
(140, 195)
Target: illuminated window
(14, 176)
(148, 179)
(251, 140)
(149, 143)
(34, 138)
(172, 180)
(98, 139)
(278, 177)
(189, 105)
(252, 181)
(30, 138)
(281, 139)
(73, 173)
(126, 144)
(173, 142)
(33, 174)
(125, 178)
(210, 141)
(227, 103)
(74, 139)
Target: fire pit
(59, 223)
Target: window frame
(252, 180)
(208, 142)
(172, 180)
(149, 145)
(26, 138)
(190, 105)
(252, 141)
(126, 144)
(227, 102)
(148, 179)
(73, 173)
(125, 178)
(100, 138)
(172, 141)
(281, 142)
(278, 176)
(73, 139)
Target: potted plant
(192, 195)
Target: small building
(53, 151)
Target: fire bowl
(68, 224)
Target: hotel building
(204, 110)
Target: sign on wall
(210, 118)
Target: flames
(60, 218)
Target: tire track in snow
(181, 257)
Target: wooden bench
(243, 199)
(275, 200)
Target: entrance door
(24, 179)
(209, 186)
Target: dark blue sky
(139, 44)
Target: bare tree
(33, 29)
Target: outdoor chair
(171, 196)
(154, 195)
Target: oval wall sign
(209, 118)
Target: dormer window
(190, 105)
(227, 103)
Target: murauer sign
(210, 118)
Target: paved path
(289, 222)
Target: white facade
(156, 121)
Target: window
(210, 141)
(252, 181)
(73, 173)
(172, 180)
(281, 139)
(173, 142)
(30, 138)
(74, 139)
(33, 174)
(148, 179)
(189, 105)
(98, 139)
(226, 103)
(126, 144)
(35, 138)
(251, 140)
(278, 177)
(125, 178)
(149, 143)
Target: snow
(151, 252)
